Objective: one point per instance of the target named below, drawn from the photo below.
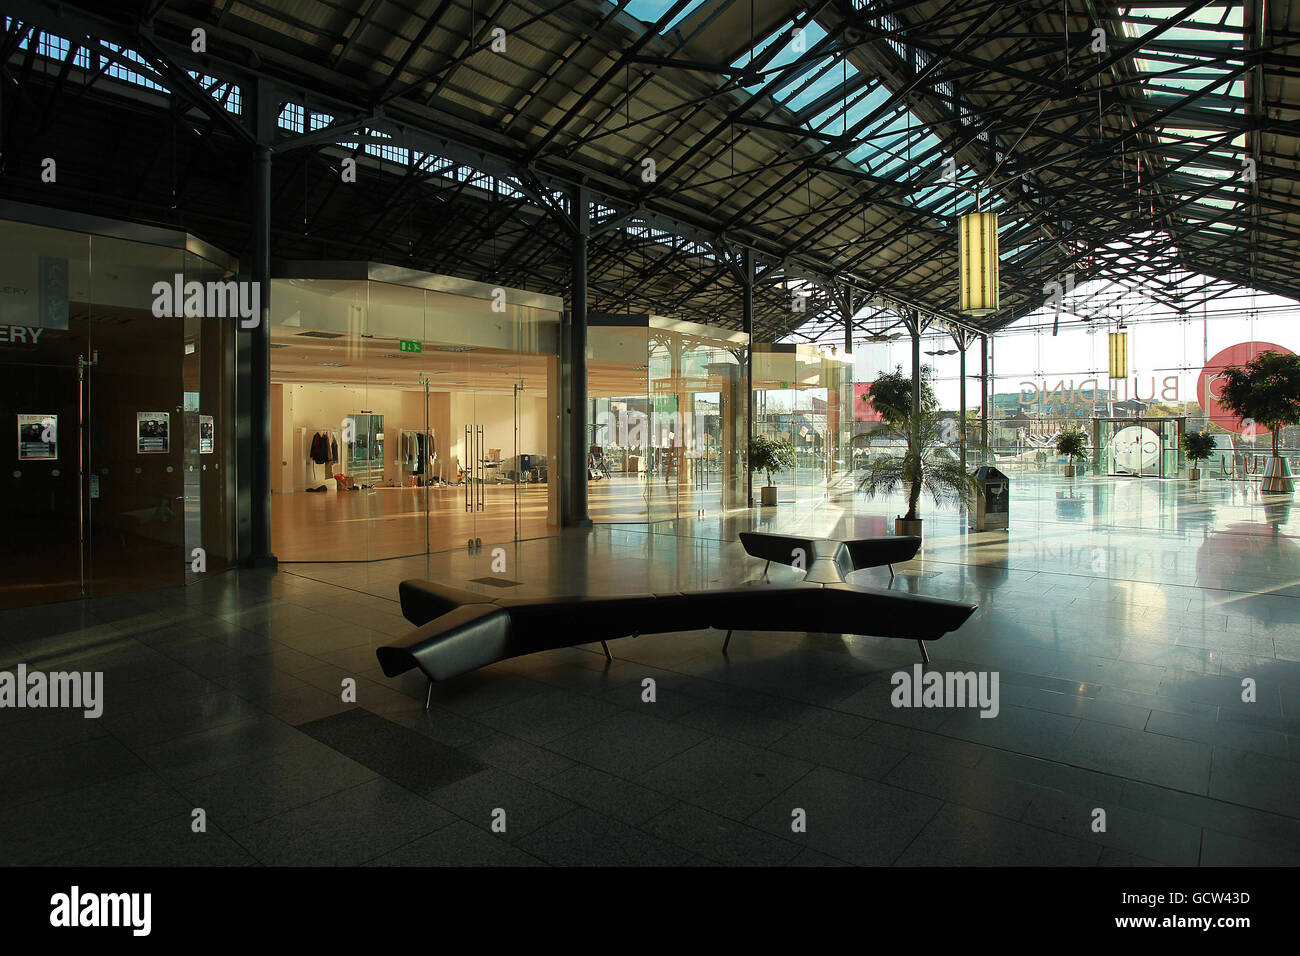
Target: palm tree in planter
(1198, 447)
(1266, 390)
(1072, 443)
(768, 454)
(927, 464)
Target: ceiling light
(979, 263)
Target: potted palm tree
(1072, 443)
(1266, 390)
(768, 454)
(927, 463)
(1198, 447)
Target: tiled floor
(1121, 617)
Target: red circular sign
(1207, 386)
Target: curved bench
(458, 631)
(843, 557)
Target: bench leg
(605, 647)
(765, 567)
(428, 698)
(925, 655)
(891, 572)
(726, 642)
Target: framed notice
(38, 437)
(153, 433)
(205, 434)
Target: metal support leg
(891, 572)
(605, 647)
(726, 642)
(765, 567)
(925, 655)
(428, 698)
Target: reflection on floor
(1121, 617)
(378, 523)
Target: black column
(260, 367)
(747, 323)
(579, 438)
(849, 303)
(960, 339)
(984, 393)
(915, 328)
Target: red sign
(863, 411)
(1207, 386)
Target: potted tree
(927, 464)
(1072, 443)
(768, 454)
(1198, 447)
(1266, 390)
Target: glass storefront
(667, 418)
(411, 413)
(122, 467)
(1046, 376)
(804, 395)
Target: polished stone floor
(1120, 615)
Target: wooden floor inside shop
(372, 524)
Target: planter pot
(1277, 479)
(903, 527)
(768, 493)
(1069, 471)
(1193, 474)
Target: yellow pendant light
(1119, 355)
(979, 263)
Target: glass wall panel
(668, 418)
(804, 395)
(447, 402)
(1044, 382)
(107, 384)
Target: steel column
(961, 422)
(915, 328)
(747, 324)
(984, 393)
(577, 366)
(260, 366)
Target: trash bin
(992, 500)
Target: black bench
(827, 560)
(458, 631)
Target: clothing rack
(317, 473)
(418, 453)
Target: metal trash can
(992, 505)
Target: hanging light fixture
(1118, 355)
(979, 263)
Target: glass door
(1171, 430)
(43, 511)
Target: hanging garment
(320, 448)
(334, 449)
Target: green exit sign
(410, 345)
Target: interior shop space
(410, 413)
(119, 460)
(667, 418)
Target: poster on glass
(38, 437)
(205, 434)
(152, 433)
